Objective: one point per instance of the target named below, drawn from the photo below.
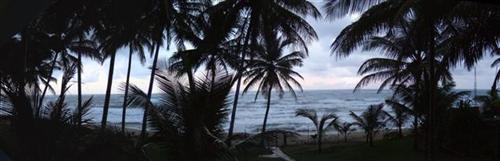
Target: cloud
(321, 70)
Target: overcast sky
(320, 70)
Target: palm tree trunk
(150, 90)
(284, 139)
(415, 131)
(124, 107)
(371, 139)
(53, 65)
(107, 97)
(233, 112)
(267, 113)
(320, 137)
(237, 92)
(400, 131)
(79, 84)
(432, 107)
(427, 118)
(192, 86)
(345, 138)
(212, 82)
(268, 106)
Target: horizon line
(343, 89)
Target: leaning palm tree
(271, 69)
(188, 124)
(344, 128)
(319, 123)
(497, 76)
(371, 121)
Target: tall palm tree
(404, 63)
(113, 32)
(172, 21)
(111, 45)
(344, 128)
(212, 46)
(72, 45)
(288, 17)
(272, 69)
(27, 63)
(188, 124)
(371, 121)
(319, 123)
(452, 22)
(137, 44)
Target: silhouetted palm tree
(344, 128)
(497, 76)
(256, 15)
(113, 32)
(490, 103)
(272, 69)
(411, 97)
(137, 44)
(58, 110)
(371, 121)
(65, 54)
(401, 114)
(320, 123)
(443, 21)
(171, 21)
(111, 45)
(188, 124)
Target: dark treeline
(243, 44)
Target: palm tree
(443, 21)
(188, 124)
(401, 114)
(172, 21)
(319, 123)
(113, 32)
(72, 45)
(58, 109)
(344, 128)
(371, 121)
(136, 44)
(497, 76)
(27, 63)
(490, 103)
(271, 69)
(412, 98)
(89, 50)
(255, 15)
(109, 49)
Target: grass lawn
(384, 150)
(253, 153)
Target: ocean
(250, 113)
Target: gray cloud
(321, 70)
